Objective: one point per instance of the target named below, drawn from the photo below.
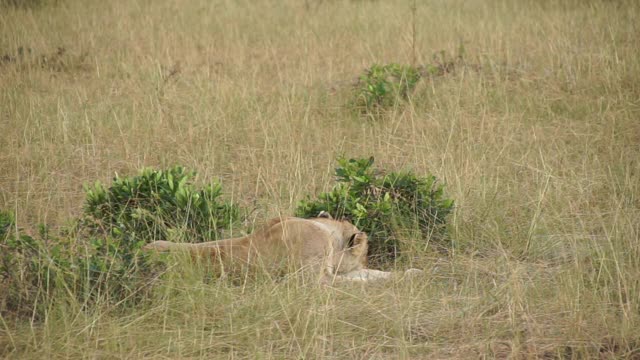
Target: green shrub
(33, 268)
(387, 207)
(29, 267)
(99, 258)
(156, 205)
(6, 223)
(382, 86)
(108, 269)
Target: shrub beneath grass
(33, 269)
(26, 4)
(29, 267)
(386, 206)
(383, 86)
(158, 204)
(99, 258)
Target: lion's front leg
(364, 275)
(368, 275)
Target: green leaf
(170, 180)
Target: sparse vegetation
(384, 86)
(25, 273)
(27, 4)
(535, 134)
(56, 61)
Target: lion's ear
(357, 239)
(358, 246)
(324, 214)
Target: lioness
(334, 249)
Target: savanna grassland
(534, 127)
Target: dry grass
(537, 140)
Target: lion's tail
(211, 250)
(233, 248)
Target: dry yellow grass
(537, 140)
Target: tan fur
(333, 249)
(321, 244)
